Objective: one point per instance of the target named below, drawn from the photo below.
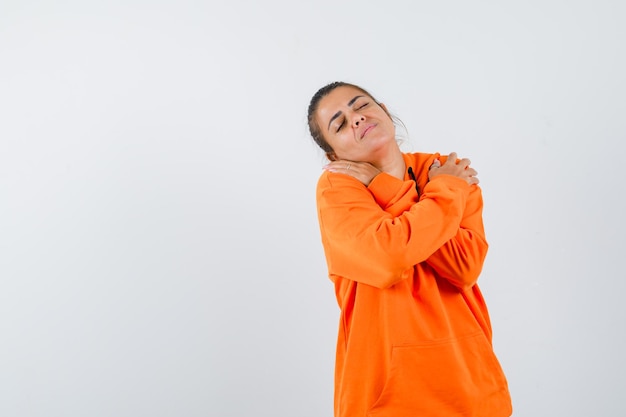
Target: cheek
(335, 141)
(344, 141)
(391, 128)
(341, 147)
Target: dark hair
(314, 128)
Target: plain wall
(159, 246)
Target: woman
(404, 243)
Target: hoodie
(414, 333)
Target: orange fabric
(414, 334)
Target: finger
(336, 165)
(342, 166)
(333, 167)
(465, 162)
(452, 158)
(436, 164)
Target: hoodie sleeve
(460, 260)
(367, 241)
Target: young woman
(404, 243)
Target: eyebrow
(350, 103)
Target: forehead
(336, 100)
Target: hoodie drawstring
(412, 175)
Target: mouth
(367, 129)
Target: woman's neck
(393, 164)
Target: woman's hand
(457, 167)
(362, 171)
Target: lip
(367, 129)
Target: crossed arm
(374, 236)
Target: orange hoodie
(414, 335)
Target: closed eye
(343, 122)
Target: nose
(357, 118)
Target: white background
(159, 247)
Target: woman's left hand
(362, 171)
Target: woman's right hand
(456, 167)
(362, 171)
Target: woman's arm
(460, 260)
(365, 243)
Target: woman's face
(355, 126)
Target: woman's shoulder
(420, 159)
(332, 180)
